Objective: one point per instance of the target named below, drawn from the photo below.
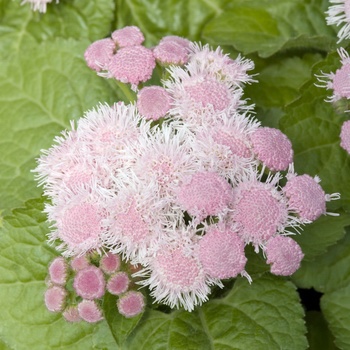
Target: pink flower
(345, 136)
(128, 36)
(99, 53)
(110, 263)
(221, 253)
(89, 311)
(118, 283)
(272, 148)
(339, 14)
(284, 254)
(89, 283)
(170, 52)
(176, 39)
(58, 271)
(132, 64)
(55, 298)
(79, 263)
(306, 197)
(131, 304)
(206, 193)
(259, 210)
(176, 277)
(338, 81)
(153, 102)
(71, 314)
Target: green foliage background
(44, 83)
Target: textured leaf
(328, 272)
(319, 336)
(20, 26)
(267, 26)
(41, 89)
(264, 314)
(313, 126)
(336, 309)
(120, 326)
(168, 17)
(25, 322)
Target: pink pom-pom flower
(131, 304)
(153, 102)
(128, 36)
(284, 254)
(89, 283)
(99, 53)
(273, 148)
(89, 311)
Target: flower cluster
(77, 285)
(339, 82)
(177, 182)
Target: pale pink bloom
(132, 64)
(284, 254)
(215, 62)
(196, 93)
(89, 283)
(58, 271)
(224, 145)
(131, 304)
(259, 210)
(153, 102)
(170, 52)
(345, 136)
(89, 311)
(80, 221)
(110, 263)
(272, 148)
(55, 298)
(176, 277)
(205, 194)
(128, 36)
(79, 263)
(221, 253)
(38, 5)
(118, 283)
(99, 53)
(339, 81)
(137, 217)
(339, 15)
(163, 156)
(177, 39)
(306, 197)
(71, 314)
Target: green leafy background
(44, 83)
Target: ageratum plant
(182, 204)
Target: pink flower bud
(99, 53)
(89, 283)
(131, 304)
(71, 314)
(89, 311)
(118, 283)
(110, 263)
(345, 136)
(128, 36)
(55, 298)
(58, 271)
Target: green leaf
(318, 336)
(329, 271)
(336, 310)
(322, 233)
(24, 259)
(264, 314)
(313, 126)
(41, 89)
(267, 26)
(168, 17)
(20, 26)
(120, 326)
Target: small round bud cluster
(91, 276)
